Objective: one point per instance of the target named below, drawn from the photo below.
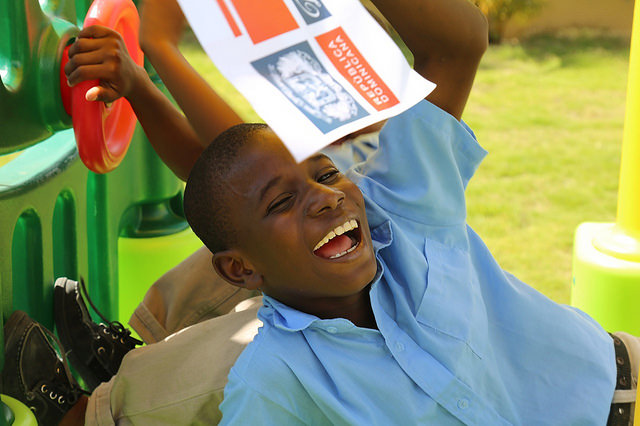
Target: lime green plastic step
(605, 287)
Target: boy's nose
(323, 198)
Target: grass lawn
(550, 111)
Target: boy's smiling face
(301, 228)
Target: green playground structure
(606, 264)
(120, 231)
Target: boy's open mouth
(340, 241)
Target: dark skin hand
(100, 53)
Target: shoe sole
(59, 295)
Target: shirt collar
(382, 236)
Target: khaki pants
(180, 379)
(190, 293)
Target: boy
(395, 307)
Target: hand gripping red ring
(103, 133)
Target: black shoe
(95, 350)
(34, 373)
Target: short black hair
(205, 196)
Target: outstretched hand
(99, 53)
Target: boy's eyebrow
(273, 182)
(319, 156)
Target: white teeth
(338, 230)
(335, 256)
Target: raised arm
(447, 39)
(99, 53)
(161, 27)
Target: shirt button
(463, 403)
(332, 330)
(399, 346)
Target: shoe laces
(75, 390)
(115, 327)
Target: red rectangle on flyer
(351, 64)
(227, 15)
(265, 19)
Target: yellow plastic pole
(606, 256)
(623, 240)
(636, 416)
(629, 192)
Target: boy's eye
(280, 204)
(329, 176)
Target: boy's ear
(236, 270)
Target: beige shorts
(190, 293)
(179, 380)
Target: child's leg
(186, 374)
(189, 293)
(628, 363)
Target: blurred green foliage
(499, 12)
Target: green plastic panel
(19, 414)
(138, 264)
(31, 42)
(56, 217)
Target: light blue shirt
(459, 340)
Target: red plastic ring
(103, 133)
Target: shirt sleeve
(422, 166)
(352, 151)
(242, 405)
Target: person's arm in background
(100, 53)
(161, 26)
(447, 39)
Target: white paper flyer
(314, 70)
